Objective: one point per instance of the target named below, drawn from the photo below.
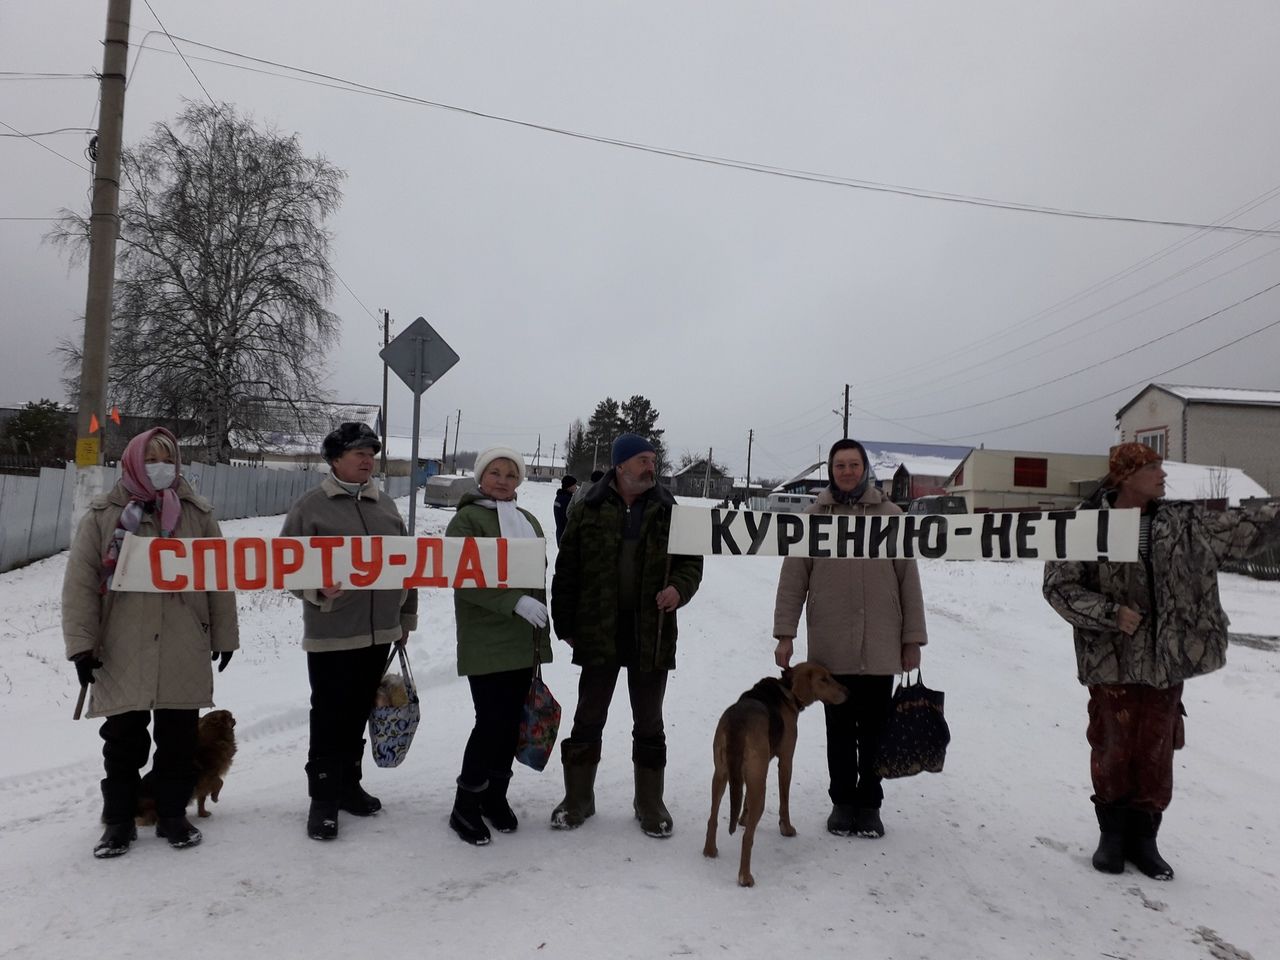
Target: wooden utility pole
(846, 411)
(104, 229)
(706, 477)
(386, 339)
(746, 494)
(444, 447)
(457, 425)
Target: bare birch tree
(223, 277)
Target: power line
(179, 53)
(1059, 346)
(1094, 366)
(1137, 383)
(49, 133)
(43, 147)
(873, 186)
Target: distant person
(347, 634)
(1141, 629)
(613, 600)
(568, 487)
(502, 634)
(866, 624)
(148, 656)
(737, 501)
(583, 489)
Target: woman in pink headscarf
(149, 656)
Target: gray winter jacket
(354, 618)
(1183, 632)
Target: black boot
(1109, 857)
(354, 798)
(867, 823)
(650, 761)
(494, 806)
(119, 804)
(322, 819)
(1140, 844)
(179, 831)
(115, 840)
(466, 818)
(840, 821)
(580, 760)
(324, 783)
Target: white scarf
(511, 522)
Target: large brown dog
(215, 746)
(759, 727)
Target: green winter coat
(1183, 632)
(584, 591)
(491, 636)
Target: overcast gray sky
(563, 270)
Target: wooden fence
(35, 511)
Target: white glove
(532, 610)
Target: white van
(789, 502)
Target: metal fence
(35, 512)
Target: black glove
(226, 658)
(86, 663)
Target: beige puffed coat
(859, 613)
(156, 647)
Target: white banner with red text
(1090, 535)
(166, 564)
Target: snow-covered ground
(986, 860)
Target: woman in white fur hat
(502, 633)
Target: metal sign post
(419, 356)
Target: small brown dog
(760, 726)
(215, 746)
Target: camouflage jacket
(585, 589)
(1183, 632)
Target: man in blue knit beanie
(613, 600)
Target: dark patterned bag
(391, 728)
(539, 724)
(917, 735)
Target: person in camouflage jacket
(613, 600)
(1141, 629)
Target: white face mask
(162, 475)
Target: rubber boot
(354, 799)
(324, 783)
(1109, 857)
(650, 761)
(119, 803)
(494, 806)
(1140, 844)
(466, 819)
(580, 761)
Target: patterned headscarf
(133, 476)
(1127, 459)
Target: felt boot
(650, 761)
(580, 761)
(840, 821)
